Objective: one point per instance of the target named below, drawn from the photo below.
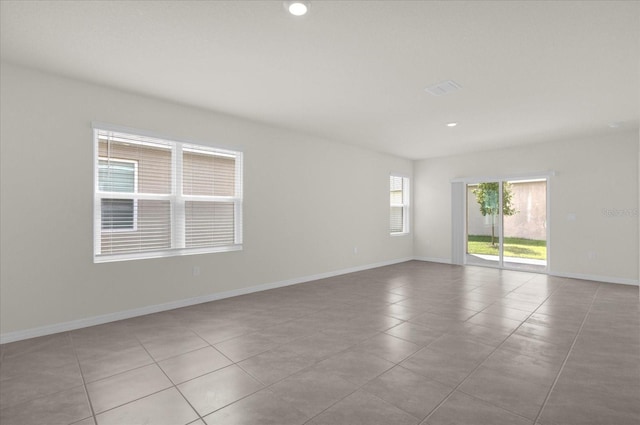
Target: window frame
(405, 205)
(176, 198)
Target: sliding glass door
(525, 227)
(483, 223)
(506, 224)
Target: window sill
(164, 253)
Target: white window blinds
(156, 198)
(399, 204)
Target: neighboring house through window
(116, 175)
(399, 204)
(158, 198)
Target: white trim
(129, 195)
(238, 202)
(113, 137)
(121, 315)
(165, 253)
(97, 203)
(500, 223)
(548, 220)
(520, 176)
(435, 260)
(116, 196)
(97, 125)
(178, 216)
(199, 149)
(400, 174)
(458, 222)
(596, 278)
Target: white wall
(593, 174)
(308, 203)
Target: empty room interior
(319, 212)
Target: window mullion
(405, 204)
(178, 204)
(207, 198)
(97, 217)
(237, 205)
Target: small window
(160, 198)
(115, 175)
(399, 205)
(118, 214)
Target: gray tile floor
(413, 343)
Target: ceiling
(355, 71)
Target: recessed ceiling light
(298, 7)
(452, 124)
(615, 124)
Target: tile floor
(413, 343)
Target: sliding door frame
(459, 213)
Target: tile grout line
(306, 369)
(174, 385)
(489, 355)
(570, 351)
(575, 339)
(233, 363)
(84, 382)
(153, 362)
(358, 388)
(267, 387)
(56, 392)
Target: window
(159, 198)
(118, 176)
(399, 205)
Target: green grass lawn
(513, 247)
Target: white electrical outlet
(196, 270)
(355, 250)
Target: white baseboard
(595, 278)
(120, 315)
(112, 317)
(434, 260)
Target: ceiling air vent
(443, 87)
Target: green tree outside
(487, 198)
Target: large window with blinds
(160, 198)
(399, 205)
